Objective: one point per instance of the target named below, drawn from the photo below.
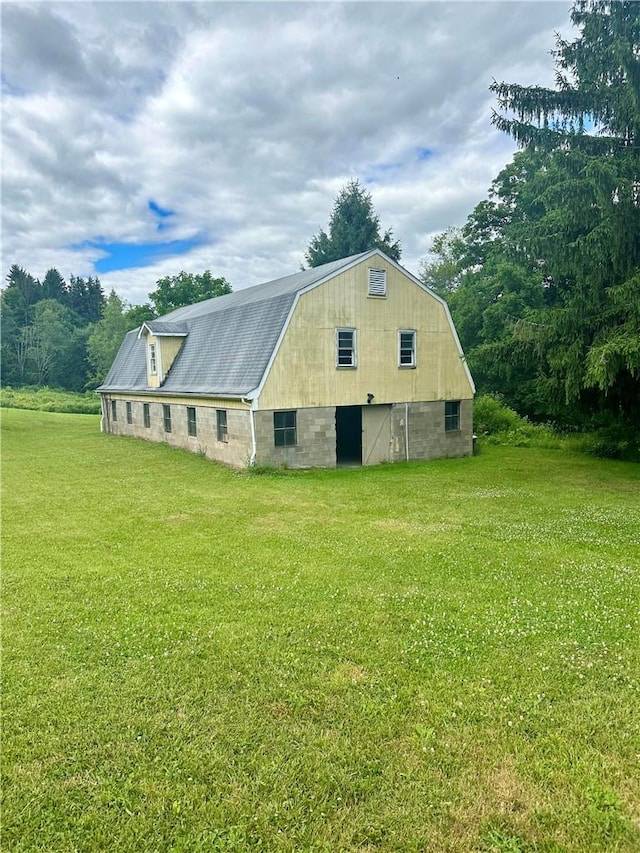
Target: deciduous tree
(186, 289)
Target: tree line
(67, 334)
(542, 281)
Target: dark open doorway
(349, 435)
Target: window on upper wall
(146, 415)
(346, 348)
(451, 415)
(166, 414)
(221, 425)
(129, 414)
(114, 410)
(284, 429)
(191, 421)
(377, 282)
(153, 361)
(406, 348)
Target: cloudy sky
(143, 138)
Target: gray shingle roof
(160, 327)
(229, 342)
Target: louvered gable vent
(377, 282)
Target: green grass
(420, 657)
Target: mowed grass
(421, 657)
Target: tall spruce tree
(586, 235)
(354, 227)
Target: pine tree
(354, 227)
(587, 231)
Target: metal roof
(229, 340)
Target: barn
(351, 363)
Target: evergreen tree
(85, 298)
(587, 233)
(54, 286)
(354, 227)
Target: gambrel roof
(229, 340)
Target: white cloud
(245, 119)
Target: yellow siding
(304, 370)
(177, 400)
(167, 348)
(153, 378)
(170, 348)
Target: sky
(145, 138)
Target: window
(221, 423)
(377, 282)
(166, 413)
(114, 410)
(146, 415)
(284, 428)
(191, 421)
(406, 348)
(129, 414)
(451, 416)
(153, 362)
(345, 347)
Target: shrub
(50, 400)
(615, 441)
(491, 416)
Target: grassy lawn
(421, 657)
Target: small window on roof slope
(377, 282)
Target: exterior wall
(167, 348)
(304, 372)
(236, 451)
(383, 439)
(316, 434)
(427, 438)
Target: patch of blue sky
(123, 256)
(154, 207)
(425, 153)
(162, 214)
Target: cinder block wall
(236, 451)
(427, 436)
(316, 445)
(316, 433)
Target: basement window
(406, 348)
(166, 414)
(284, 429)
(346, 348)
(191, 421)
(146, 415)
(451, 415)
(377, 282)
(221, 425)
